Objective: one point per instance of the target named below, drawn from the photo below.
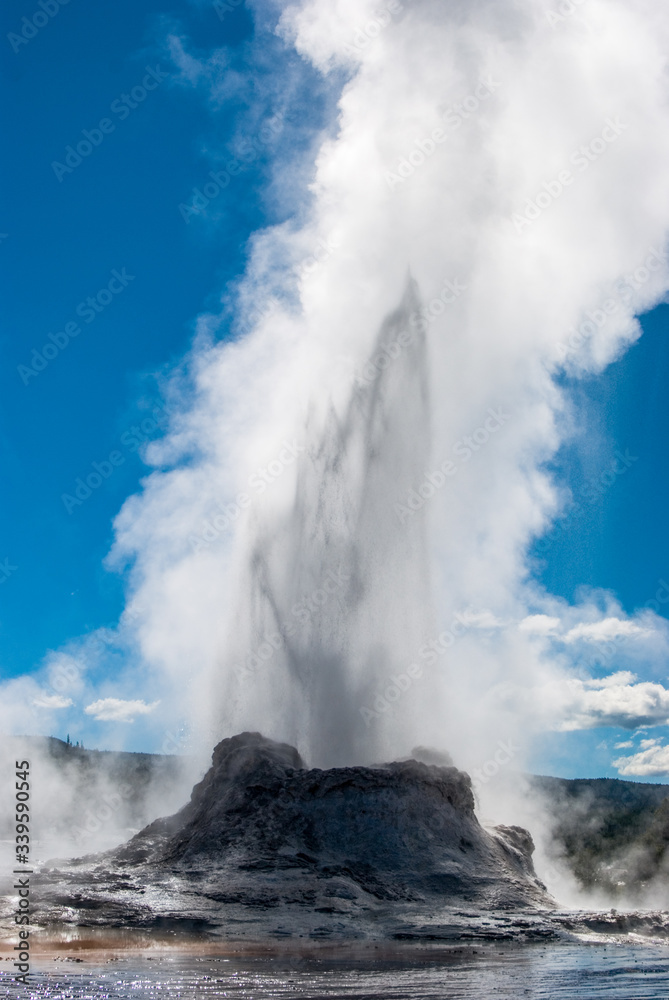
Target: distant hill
(91, 799)
(613, 834)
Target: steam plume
(515, 166)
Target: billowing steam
(335, 551)
(335, 596)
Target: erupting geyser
(455, 284)
(335, 597)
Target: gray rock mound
(267, 846)
(398, 831)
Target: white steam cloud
(516, 170)
(335, 548)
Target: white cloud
(191, 69)
(117, 710)
(621, 678)
(653, 761)
(480, 619)
(624, 745)
(540, 625)
(52, 701)
(605, 630)
(614, 701)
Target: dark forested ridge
(79, 794)
(614, 834)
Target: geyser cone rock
(374, 849)
(396, 832)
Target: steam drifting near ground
(488, 210)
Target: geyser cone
(339, 582)
(267, 849)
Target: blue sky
(118, 209)
(610, 537)
(66, 236)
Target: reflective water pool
(555, 972)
